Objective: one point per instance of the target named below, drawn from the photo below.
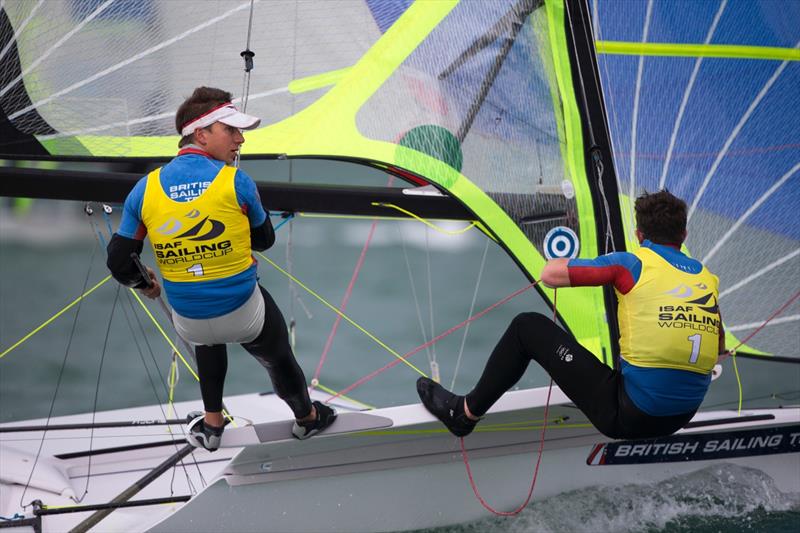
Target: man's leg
(590, 384)
(212, 365)
(272, 349)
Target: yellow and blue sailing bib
(202, 240)
(669, 323)
(670, 318)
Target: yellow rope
(738, 380)
(431, 225)
(163, 334)
(348, 217)
(333, 392)
(49, 320)
(175, 349)
(172, 381)
(338, 312)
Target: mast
(598, 157)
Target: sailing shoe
(446, 406)
(202, 435)
(325, 417)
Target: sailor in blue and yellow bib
(669, 323)
(204, 240)
(198, 213)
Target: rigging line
(685, 100)
(439, 337)
(780, 310)
(345, 299)
(609, 232)
(782, 320)
(472, 224)
(20, 29)
(247, 55)
(636, 95)
(347, 318)
(735, 133)
(414, 291)
(190, 484)
(284, 221)
(738, 381)
(471, 310)
(759, 273)
(613, 141)
(74, 302)
(740, 220)
(163, 334)
(289, 265)
(60, 374)
(107, 217)
(538, 459)
(97, 393)
(55, 46)
(535, 470)
(367, 217)
(331, 391)
(432, 360)
(126, 62)
(594, 150)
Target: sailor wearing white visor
(204, 218)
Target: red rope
(535, 470)
(345, 299)
(780, 310)
(439, 337)
(347, 293)
(538, 459)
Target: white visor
(225, 113)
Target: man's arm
(556, 273)
(262, 237)
(119, 261)
(262, 234)
(124, 270)
(620, 269)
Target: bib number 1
(695, 340)
(197, 270)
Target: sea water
(413, 284)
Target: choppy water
(413, 285)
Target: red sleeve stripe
(592, 276)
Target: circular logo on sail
(561, 242)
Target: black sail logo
(703, 300)
(213, 232)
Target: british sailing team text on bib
(203, 239)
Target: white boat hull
(407, 476)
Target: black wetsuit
(271, 348)
(596, 389)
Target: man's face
(221, 141)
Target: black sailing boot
(200, 434)
(325, 417)
(446, 406)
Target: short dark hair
(203, 99)
(661, 217)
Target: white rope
(471, 312)
(414, 292)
